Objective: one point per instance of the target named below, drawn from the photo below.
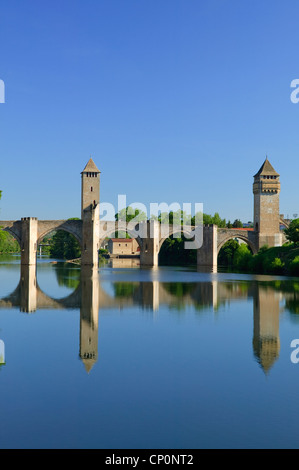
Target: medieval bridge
(90, 231)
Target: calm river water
(165, 358)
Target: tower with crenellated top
(266, 189)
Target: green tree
(126, 215)
(218, 221)
(129, 213)
(292, 232)
(208, 219)
(294, 266)
(227, 252)
(277, 266)
(8, 244)
(242, 257)
(237, 224)
(64, 246)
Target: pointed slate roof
(91, 167)
(266, 169)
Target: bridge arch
(70, 226)
(240, 237)
(284, 223)
(13, 233)
(172, 230)
(13, 228)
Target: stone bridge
(150, 235)
(90, 231)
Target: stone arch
(284, 223)
(241, 237)
(13, 233)
(14, 228)
(172, 231)
(68, 226)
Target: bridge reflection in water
(90, 297)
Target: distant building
(123, 246)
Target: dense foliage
(64, 246)
(173, 253)
(278, 260)
(292, 232)
(8, 244)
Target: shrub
(294, 266)
(277, 266)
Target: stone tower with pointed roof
(90, 214)
(90, 186)
(266, 189)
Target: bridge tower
(90, 186)
(90, 214)
(266, 189)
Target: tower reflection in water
(266, 343)
(89, 296)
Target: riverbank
(280, 260)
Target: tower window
(91, 189)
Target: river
(130, 358)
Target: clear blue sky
(175, 100)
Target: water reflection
(2, 352)
(124, 263)
(90, 296)
(266, 343)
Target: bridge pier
(28, 240)
(90, 236)
(207, 254)
(149, 250)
